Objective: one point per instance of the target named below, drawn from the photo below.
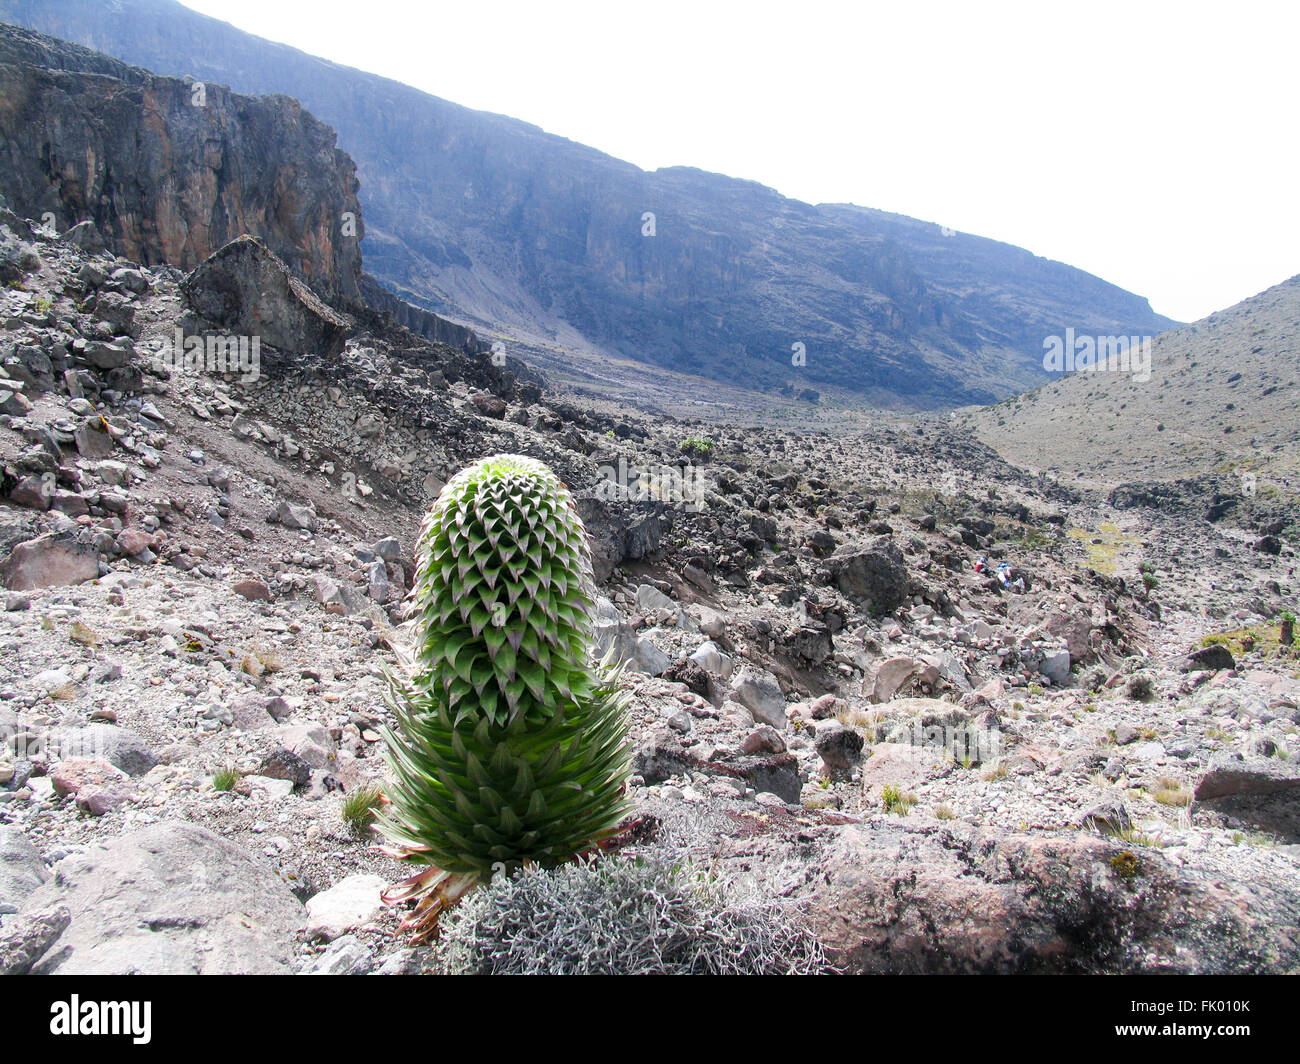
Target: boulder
(909, 896)
(25, 938)
(872, 575)
(648, 658)
(52, 560)
(620, 531)
(758, 691)
(244, 289)
(120, 747)
(839, 747)
(22, 870)
(296, 517)
(1214, 657)
(170, 899)
(890, 676)
(1262, 791)
(350, 903)
(709, 656)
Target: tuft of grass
(1177, 795)
(895, 801)
(944, 812)
(1134, 837)
(224, 779)
(995, 770)
(359, 807)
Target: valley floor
(202, 598)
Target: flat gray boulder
(171, 899)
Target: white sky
(1153, 144)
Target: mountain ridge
(523, 233)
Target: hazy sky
(1154, 144)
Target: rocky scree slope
(1223, 398)
(204, 575)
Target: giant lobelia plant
(510, 745)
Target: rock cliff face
(169, 171)
(495, 222)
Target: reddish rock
(253, 590)
(898, 897)
(75, 774)
(51, 560)
(100, 800)
(133, 541)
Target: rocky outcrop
(932, 898)
(1261, 791)
(245, 290)
(22, 871)
(171, 899)
(169, 170)
(420, 322)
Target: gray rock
(92, 441)
(620, 531)
(351, 903)
(709, 656)
(283, 764)
(611, 633)
(170, 899)
(338, 598)
(25, 938)
(650, 598)
(254, 712)
(839, 747)
(345, 956)
(873, 575)
(245, 290)
(296, 517)
(1213, 657)
(22, 869)
(757, 690)
(403, 962)
(1056, 666)
(649, 658)
(52, 560)
(118, 746)
(389, 549)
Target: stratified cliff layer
(171, 171)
